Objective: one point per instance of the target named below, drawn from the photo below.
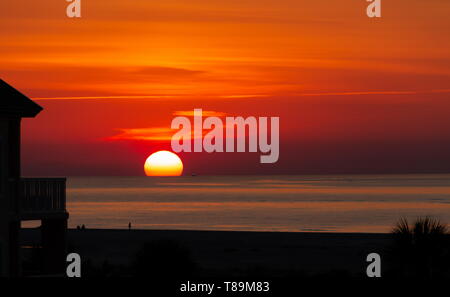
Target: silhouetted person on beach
(83, 227)
(129, 226)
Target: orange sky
(353, 94)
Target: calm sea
(257, 203)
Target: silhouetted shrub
(420, 250)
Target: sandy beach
(233, 254)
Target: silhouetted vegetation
(420, 250)
(163, 259)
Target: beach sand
(230, 253)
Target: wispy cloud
(358, 93)
(205, 113)
(156, 134)
(221, 114)
(162, 133)
(108, 97)
(244, 96)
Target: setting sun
(163, 163)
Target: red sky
(354, 95)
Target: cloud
(68, 81)
(162, 133)
(105, 97)
(205, 113)
(244, 96)
(156, 134)
(147, 134)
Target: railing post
(42, 195)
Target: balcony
(42, 198)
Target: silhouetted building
(22, 199)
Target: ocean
(359, 203)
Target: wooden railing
(42, 196)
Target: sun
(163, 163)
